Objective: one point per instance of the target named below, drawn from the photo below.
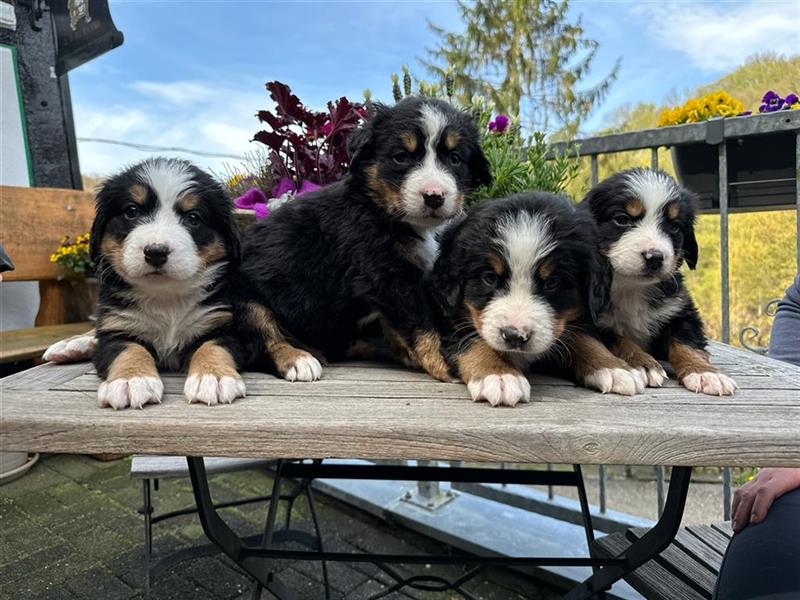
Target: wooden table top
(361, 410)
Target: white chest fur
(169, 323)
(635, 312)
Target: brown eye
(674, 227)
(489, 278)
(455, 159)
(552, 284)
(131, 211)
(401, 158)
(193, 219)
(623, 220)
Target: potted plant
(78, 273)
(761, 167)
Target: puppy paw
(713, 384)
(499, 390)
(134, 392)
(653, 376)
(74, 349)
(210, 389)
(627, 382)
(303, 368)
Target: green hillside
(762, 245)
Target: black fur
(331, 258)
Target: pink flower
(261, 210)
(306, 186)
(250, 198)
(284, 185)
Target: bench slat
(710, 536)
(166, 467)
(651, 580)
(24, 344)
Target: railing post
(723, 241)
(594, 169)
(601, 487)
(660, 490)
(654, 158)
(726, 494)
(797, 197)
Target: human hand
(752, 501)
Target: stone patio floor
(69, 529)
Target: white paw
(304, 368)
(71, 350)
(508, 389)
(713, 384)
(134, 392)
(210, 389)
(627, 382)
(653, 377)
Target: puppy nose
(516, 338)
(653, 259)
(156, 254)
(433, 199)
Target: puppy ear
(445, 285)
(98, 227)
(600, 275)
(359, 142)
(479, 168)
(233, 241)
(690, 250)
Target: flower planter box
(761, 169)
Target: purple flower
(284, 185)
(307, 186)
(791, 99)
(771, 102)
(744, 113)
(250, 198)
(261, 211)
(499, 124)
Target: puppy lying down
(519, 283)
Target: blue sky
(191, 73)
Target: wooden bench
(33, 221)
(686, 570)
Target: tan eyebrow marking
(188, 201)
(138, 193)
(409, 141)
(497, 264)
(672, 210)
(634, 207)
(451, 139)
(546, 268)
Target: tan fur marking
(212, 359)
(111, 249)
(188, 201)
(672, 210)
(138, 193)
(409, 141)
(497, 264)
(451, 139)
(633, 354)
(112, 322)
(382, 192)
(686, 360)
(634, 207)
(589, 354)
(546, 269)
(428, 350)
(282, 353)
(480, 360)
(564, 319)
(475, 314)
(133, 361)
(213, 252)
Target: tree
(526, 56)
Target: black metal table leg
(648, 546)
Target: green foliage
(526, 56)
(519, 163)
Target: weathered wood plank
(22, 344)
(32, 223)
(610, 430)
(702, 552)
(165, 467)
(43, 377)
(710, 536)
(651, 580)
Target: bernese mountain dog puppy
(519, 283)
(323, 266)
(164, 242)
(646, 228)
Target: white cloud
(720, 36)
(175, 92)
(218, 119)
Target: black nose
(156, 254)
(653, 259)
(514, 337)
(433, 200)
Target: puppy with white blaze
(519, 284)
(645, 221)
(354, 254)
(164, 242)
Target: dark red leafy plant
(306, 147)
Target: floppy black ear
(359, 142)
(690, 250)
(233, 239)
(479, 168)
(98, 227)
(600, 275)
(445, 285)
